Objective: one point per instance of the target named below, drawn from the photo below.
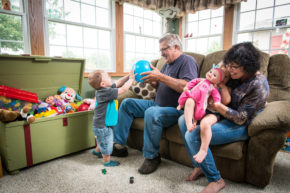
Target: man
(161, 113)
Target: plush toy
(9, 116)
(68, 95)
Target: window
(13, 28)
(266, 24)
(82, 29)
(142, 30)
(204, 31)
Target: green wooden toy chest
(23, 145)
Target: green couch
(252, 160)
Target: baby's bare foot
(199, 157)
(214, 187)
(194, 175)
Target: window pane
(192, 17)
(265, 3)
(201, 45)
(88, 14)
(203, 27)
(91, 2)
(280, 2)
(245, 22)
(138, 11)
(11, 27)
(214, 44)
(244, 37)
(104, 40)
(282, 12)
(148, 14)
(156, 17)
(104, 60)
(128, 9)
(57, 50)
(103, 3)
(16, 5)
(192, 28)
(72, 11)
(156, 29)
(74, 36)
(129, 61)
(140, 44)
(12, 48)
(216, 26)
(56, 33)
(247, 6)
(102, 17)
(204, 14)
(280, 39)
(191, 45)
(54, 9)
(90, 38)
(261, 40)
(91, 56)
(148, 27)
(218, 12)
(73, 52)
(264, 18)
(128, 23)
(138, 25)
(149, 45)
(129, 43)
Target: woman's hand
(151, 76)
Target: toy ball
(140, 67)
(83, 107)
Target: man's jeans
(223, 132)
(155, 118)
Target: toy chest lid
(41, 75)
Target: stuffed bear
(9, 116)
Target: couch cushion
(210, 59)
(198, 58)
(279, 77)
(264, 63)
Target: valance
(184, 6)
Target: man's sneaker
(119, 152)
(150, 165)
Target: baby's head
(99, 78)
(215, 75)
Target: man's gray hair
(172, 40)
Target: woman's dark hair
(246, 55)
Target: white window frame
(237, 31)
(185, 31)
(25, 29)
(139, 35)
(111, 29)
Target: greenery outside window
(204, 31)
(13, 28)
(266, 24)
(142, 30)
(82, 29)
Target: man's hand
(151, 76)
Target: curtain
(184, 6)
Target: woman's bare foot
(214, 187)
(194, 175)
(199, 157)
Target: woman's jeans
(223, 132)
(155, 119)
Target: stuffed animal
(68, 95)
(9, 116)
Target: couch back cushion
(199, 58)
(279, 77)
(209, 60)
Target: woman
(250, 90)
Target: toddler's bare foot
(199, 157)
(214, 187)
(179, 107)
(194, 175)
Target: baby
(105, 112)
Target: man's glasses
(164, 49)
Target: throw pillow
(143, 90)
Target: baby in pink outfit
(194, 99)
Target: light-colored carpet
(82, 172)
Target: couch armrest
(267, 135)
(127, 94)
(275, 116)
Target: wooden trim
(228, 27)
(180, 28)
(119, 38)
(36, 27)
